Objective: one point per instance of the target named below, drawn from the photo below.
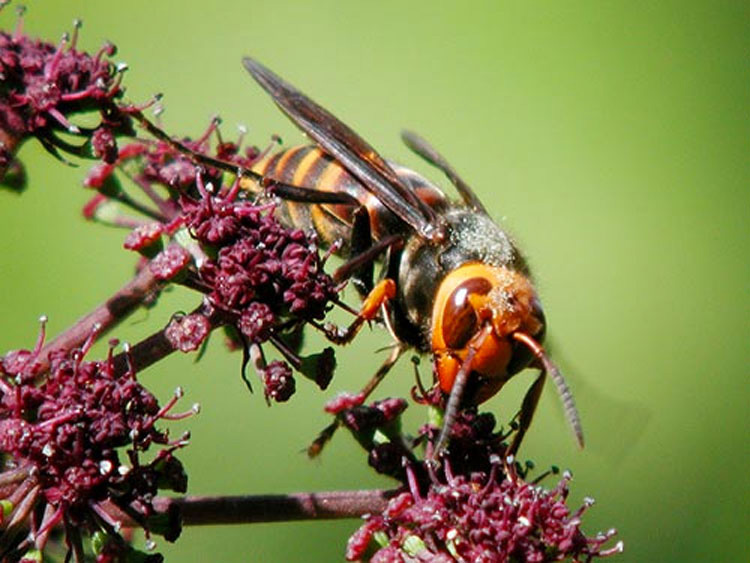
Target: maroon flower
(495, 517)
(466, 503)
(144, 237)
(256, 322)
(170, 262)
(104, 144)
(257, 259)
(391, 408)
(263, 278)
(343, 401)
(44, 85)
(186, 333)
(278, 381)
(73, 446)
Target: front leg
(384, 291)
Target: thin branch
(157, 346)
(106, 316)
(200, 511)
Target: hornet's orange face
(478, 310)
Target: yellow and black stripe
(309, 167)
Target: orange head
(478, 310)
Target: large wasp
(453, 283)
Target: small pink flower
(344, 401)
(144, 236)
(278, 381)
(170, 262)
(186, 333)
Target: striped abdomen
(309, 167)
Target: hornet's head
(487, 316)
(487, 325)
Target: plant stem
(107, 315)
(157, 347)
(207, 510)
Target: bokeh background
(612, 140)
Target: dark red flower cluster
(278, 382)
(484, 518)
(43, 85)
(265, 275)
(157, 163)
(162, 175)
(265, 279)
(261, 268)
(72, 446)
(469, 503)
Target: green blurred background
(614, 138)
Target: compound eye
(459, 318)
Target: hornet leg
(526, 414)
(316, 447)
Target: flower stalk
(250, 509)
(104, 317)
